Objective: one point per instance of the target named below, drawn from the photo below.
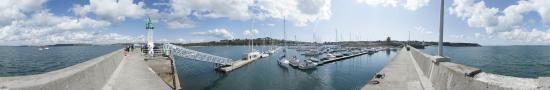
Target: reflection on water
(266, 74)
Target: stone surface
(459, 68)
(89, 75)
(544, 83)
(400, 74)
(113, 71)
(134, 74)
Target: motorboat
(311, 52)
(295, 62)
(328, 56)
(252, 55)
(264, 55)
(308, 64)
(284, 62)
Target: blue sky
(490, 22)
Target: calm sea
(266, 74)
(15, 61)
(519, 61)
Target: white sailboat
(253, 54)
(283, 61)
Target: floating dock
(340, 58)
(236, 64)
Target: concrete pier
(412, 69)
(164, 67)
(340, 58)
(135, 74)
(236, 65)
(113, 71)
(400, 74)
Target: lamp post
(150, 43)
(440, 43)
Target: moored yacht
(308, 64)
(252, 55)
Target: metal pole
(409, 41)
(440, 44)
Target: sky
(488, 22)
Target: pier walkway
(114, 71)
(134, 74)
(401, 74)
(411, 69)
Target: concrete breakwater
(437, 73)
(113, 71)
(92, 74)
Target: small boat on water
(311, 52)
(328, 56)
(284, 62)
(264, 55)
(294, 62)
(273, 50)
(252, 55)
(307, 64)
(314, 59)
(43, 48)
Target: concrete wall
(89, 75)
(446, 75)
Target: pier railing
(195, 55)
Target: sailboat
(253, 54)
(283, 61)
(265, 52)
(310, 63)
(273, 48)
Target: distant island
(270, 41)
(385, 43)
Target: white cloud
(526, 36)
(220, 33)
(411, 5)
(300, 12)
(182, 9)
(508, 23)
(460, 36)
(37, 26)
(114, 10)
(271, 24)
(251, 32)
(15, 9)
(180, 40)
(383, 3)
(422, 30)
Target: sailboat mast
(284, 31)
(336, 35)
(252, 36)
